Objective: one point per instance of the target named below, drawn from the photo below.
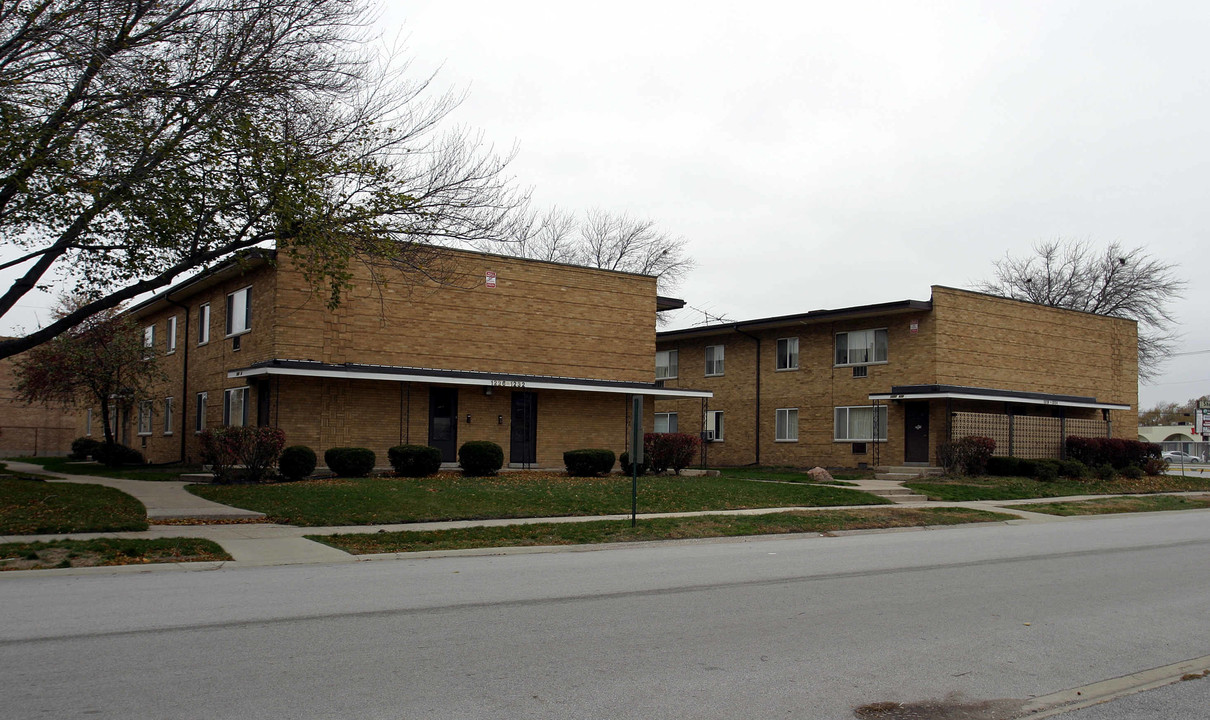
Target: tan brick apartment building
(32, 429)
(885, 384)
(538, 357)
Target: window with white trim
(714, 425)
(199, 412)
(239, 311)
(856, 424)
(148, 341)
(235, 407)
(861, 347)
(167, 416)
(714, 360)
(88, 423)
(665, 423)
(203, 323)
(665, 364)
(787, 354)
(786, 426)
(171, 338)
(145, 417)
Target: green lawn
(72, 467)
(1018, 488)
(614, 531)
(779, 474)
(31, 507)
(1106, 506)
(107, 551)
(510, 495)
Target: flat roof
(961, 392)
(808, 318)
(396, 373)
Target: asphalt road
(793, 627)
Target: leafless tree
(1116, 281)
(141, 140)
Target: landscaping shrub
(480, 457)
(414, 461)
(353, 462)
(1117, 452)
(1046, 470)
(1073, 469)
(1155, 466)
(670, 450)
(242, 453)
(83, 447)
(588, 463)
(966, 456)
(1005, 467)
(115, 455)
(296, 462)
(1132, 472)
(628, 468)
(1104, 471)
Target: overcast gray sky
(827, 154)
(824, 154)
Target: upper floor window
(171, 339)
(145, 417)
(857, 424)
(148, 341)
(203, 323)
(665, 423)
(861, 347)
(787, 354)
(714, 360)
(239, 311)
(167, 416)
(714, 425)
(665, 364)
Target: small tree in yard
(256, 449)
(101, 361)
(670, 450)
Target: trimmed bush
(1073, 469)
(670, 450)
(480, 457)
(1005, 467)
(588, 463)
(1155, 466)
(1046, 470)
(83, 447)
(353, 462)
(296, 462)
(966, 456)
(1105, 471)
(628, 468)
(1132, 472)
(242, 453)
(116, 455)
(1117, 452)
(414, 460)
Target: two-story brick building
(885, 384)
(538, 357)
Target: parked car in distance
(1177, 457)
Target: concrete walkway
(261, 544)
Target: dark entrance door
(916, 432)
(523, 445)
(443, 422)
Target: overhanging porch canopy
(959, 392)
(509, 381)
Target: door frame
(916, 431)
(448, 448)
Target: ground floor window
(88, 423)
(235, 407)
(167, 416)
(145, 417)
(856, 424)
(199, 413)
(787, 425)
(665, 423)
(714, 425)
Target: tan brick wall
(540, 319)
(33, 429)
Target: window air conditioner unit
(709, 436)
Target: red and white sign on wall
(491, 279)
(914, 326)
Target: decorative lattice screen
(1032, 436)
(985, 425)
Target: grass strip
(1108, 506)
(33, 507)
(372, 501)
(107, 551)
(1019, 488)
(617, 531)
(158, 473)
(779, 474)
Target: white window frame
(170, 340)
(714, 426)
(871, 344)
(230, 393)
(785, 425)
(145, 416)
(840, 430)
(790, 341)
(203, 323)
(168, 416)
(239, 325)
(199, 412)
(670, 366)
(671, 424)
(148, 341)
(88, 423)
(715, 357)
